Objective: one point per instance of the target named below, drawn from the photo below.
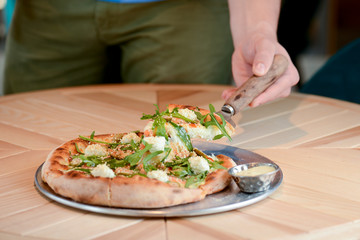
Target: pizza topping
(102, 170)
(75, 161)
(124, 171)
(163, 153)
(158, 125)
(150, 162)
(214, 122)
(189, 114)
(166, 150)
(199, 164)
(196, 180)
(135, 158)
(176, 143)
(96, 150)
(159, 175)
(199, 131)
(121, 152)
(181, 169)
(158, 143)
(182, 135)
(128, 138)
(112, 144)
(148, 131)
(195, 124)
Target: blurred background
(311, 31)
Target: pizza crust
(142, 192)
(217, 181)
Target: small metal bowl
(252, 184)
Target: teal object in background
(339, 77)
(8, 13)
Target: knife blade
(252, 88)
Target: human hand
(254, 56)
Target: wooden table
(315, 140)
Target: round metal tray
(229, 199)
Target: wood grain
(315, 141)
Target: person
(67, 43)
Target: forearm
(253, 15)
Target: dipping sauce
(255, 171)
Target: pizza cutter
(252, 88)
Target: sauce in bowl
(255, 171)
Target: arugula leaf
(146, 116)
(167, 151)
(78, 149)
(180, 172)
(130, 175)
(183, 135)
(147, 166)
(177, 162)
(90, 161)
(195, 181)
(132, 146)
(180, 167)
(159, 127)
(215, 122)
(134, 158)
(216, 165)
(81, 169)
(98, 141)
(218, 136)
(92, 135)
(115, 163)
(175, 113)
(159, 121)
(201, 117)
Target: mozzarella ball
(199, 164)
(159, 175)
(96, 150)
(158, 143)
(188, 114)
(102, 170)
(130, 137)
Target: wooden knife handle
(256, 85)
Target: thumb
(264, 55)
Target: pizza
(154, 168)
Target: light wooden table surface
(315, 141)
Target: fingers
(227, 93)
(280, 89)
(241, 68)
(255, 56)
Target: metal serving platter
(229, 199)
